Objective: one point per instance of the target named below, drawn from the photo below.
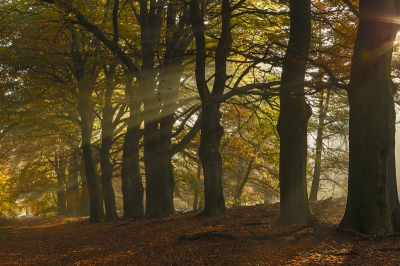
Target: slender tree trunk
(73, 195)
(372, 203)
(318, 153)
(86, 134)
(196, 203)
(195, 200)
(106, 141)
(60, 167)
(293, 118)
(239, 189)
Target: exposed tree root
(268, 236)
(230, 236)
(354, 232)
(281, 234)
(208, 234)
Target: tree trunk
(293, 118)
(86, 134)
(318, 153)
(197, 198)
(132, 186)
(159, 187)
(211, 159)
(211, 129)
(84, 206)
(239, 189)
(106, 141)
(372, 203)
(60, 167)
(73, 195)
(159, 201)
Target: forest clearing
(73, 241)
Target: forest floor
(241, 236)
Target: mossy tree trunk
(372, 203)
(293, 118)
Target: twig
(353, 232)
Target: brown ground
(73, 241)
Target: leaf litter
(232, 238)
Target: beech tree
(293, 118)
(211, 129)
(373, 205)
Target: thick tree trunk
(86, 134)
(293, 118)
(132, 185)
(211, 159)
(159, 201)
(372, 203)
(160, 182)
(84, 206)
(318, 153)
(159, 187)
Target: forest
(140, 110)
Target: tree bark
(293, 119)
(86, 135)
(160, 113)
(106, 141)
(60, 167)
(132, 186)
(239, 189)
(197, 198)
(372, 204)
(73, 195)
(84, 206)
(318, 153)
(211, 129)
